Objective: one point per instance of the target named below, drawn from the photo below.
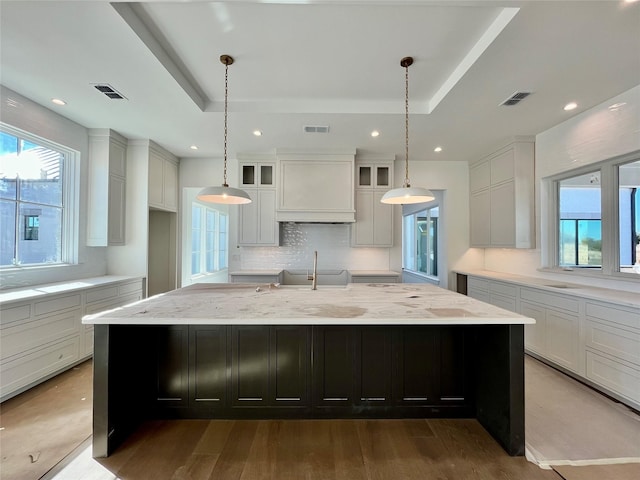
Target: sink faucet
(314, 276)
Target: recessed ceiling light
(437, 149)
(375, 133)
(57, 101)
(570, 106)
(257, 133)
(193, 147)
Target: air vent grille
(316, 129)
(109, 91)
(515, 98)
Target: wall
(22, 113)
(591, 136)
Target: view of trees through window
(31, 202)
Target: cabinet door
(382, 221)
(290, 365)
(503, 215)
(249, 220)
(207, 366)
(333, 367)
(562, 338)
(480, 212)
(172, 343)
(373, 351)
(250, 365)
(416, 368)
(534, 335)
(117, 210)
(170, 185)
(156, 180)
(363, 228)
(266, 221)
(456, 381)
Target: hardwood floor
(317, 450)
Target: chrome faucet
(314, 276)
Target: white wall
(24, 114)
(591, 136)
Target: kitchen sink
(325, 277)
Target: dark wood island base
(144, 372)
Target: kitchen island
(265, 351)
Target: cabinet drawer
(615, 376)
(619, 342)
(508, 303)
(614, 314)
(99, 294)
(113, 303)
(15, 314)
(474, 283)
(131, 287)
(33, 367)
(503, 289)
(56, 304)
(479, 295)
(549, 300)
(25, 336)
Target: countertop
(266, 304)
(29, 293)
(620, 297)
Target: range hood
(316, 187)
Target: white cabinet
(374, 220)
(42, 334)
(501, 197)
(316, 187)
(107, 169)
(257, 221)
(163, 180)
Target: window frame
(70, 222)
(202, 243)
(413, 211)
(549, 207)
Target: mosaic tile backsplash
(298, 242)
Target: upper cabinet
(316, 187)
(163, 180)
(374, 220)
(106, 188)
(501, 197)
(257, 223)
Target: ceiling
(321, 62)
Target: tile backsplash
(298, 241)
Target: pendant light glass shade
(224, 193)
(407, 194)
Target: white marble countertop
(620, 297)
(277, 271)
(374, 273)
(31, 292)
(266, 304)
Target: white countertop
(620, 297)
(355, 304)
(374, 273)
(31, 292)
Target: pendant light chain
(226, 94)
(406, 125)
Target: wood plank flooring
(317, 450)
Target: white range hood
(316, 187)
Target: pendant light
(224, 194)
(407, 194)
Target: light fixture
(437, 149)
(570, 106)
(193, 147)
(257, 133)
(407, 194)
(224, 194)
(375, 133)
(58, 101)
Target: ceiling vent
(516, 98)
(316, 129)
(109, 91)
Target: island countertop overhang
(268, 304)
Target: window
(420, 241)
(580, 227)
(37, 201)
(208, 240)
(596, 218)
